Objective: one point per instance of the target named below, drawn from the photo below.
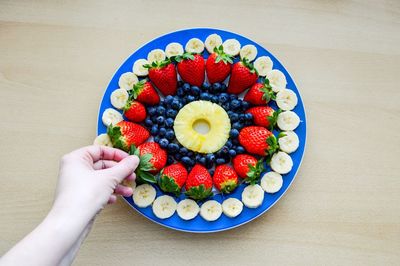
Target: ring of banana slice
(204, 126)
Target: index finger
(97, 152)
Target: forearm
(59, 233)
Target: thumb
(124, 168)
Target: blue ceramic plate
(199, 225)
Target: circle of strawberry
(258, 140)
(243, 76)
(172, 178)
(135, 111)
(218, 65)
(260, 93)
(264, 116)
(248, 167)
(199, 183)
(126, 134)
(145, 93)
(225, 178)
(191, 68)
(163, 75)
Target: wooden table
(56, 59)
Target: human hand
(90, 178)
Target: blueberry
(190, 154)
(154, 130)
(234, 133)
(235, 104)
(178, 156)
(183, 151)
(195, 90)
(169, 122)
(186, 87)
(211, 172)
(205, 96)
(168, 99)
(214, 98)
(241, 117)
(248, 117)
(237, 125)
(226, 106)
(190, 98)
(180, 92)
(239, 149)
(186, 160)
(160, 120)
(234, 117)
(173, 148)
(154, 119)
(148, 122)
(171, 113)
(248, 123)
(203, 160)
(232, 97)
(210, 157)
(170, 160)
(180, 83)
(206, 86)
(223, 98)
(216, 87)
(175, 104)
(224, 150)
(162, 131)
(157, 139)
(164, 143)
(161, 110)
(228, 144)
(235, 142)
(220, 161)
(245, 105)
(197, 157)
(223, 87)
(170, 135)
(232, 153)
(151, 111)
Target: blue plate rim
(294, 176)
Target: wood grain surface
(56, 58)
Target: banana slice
(164, 207)
(263, 65)
(127, 80)
(138, 68)
(232, 207)
(289, 143)
(144, 195)
(252, 196)
(173, 49)
(288, 120)
(111, 116)
(156, 55)
(231, 47)
(187, 209)
(248, 51)
(118, 98)
(277, 80)
(286, 99)
(194, 45)
(211, 210)
(102, 140)
(281, 162)
(212, 41)
(271, 182)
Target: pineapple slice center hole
(201, 126)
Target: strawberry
(225, 178)
(125, 134)
(135, 111)
(218, 65)
(260, 93)
(158, 155)
(243, 76)
(248, 168)
(264, 116)
(199, 183)
(258, 140)
(172, 178)
(191, 68)
(145, 93)
(163, 75)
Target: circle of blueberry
(160, 121)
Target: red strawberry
(135, 111)
(218, 65)
(264, 116)
(225, 178)
(260, 93)
(199, 183)
(191, 68)
(145, 93)
(258, 140)
(243, 76)
(125, 134)
(172, 178)
(163, 75)
(247, 167)
(158, 155)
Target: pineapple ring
(191, 124)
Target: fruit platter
(217, 123)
